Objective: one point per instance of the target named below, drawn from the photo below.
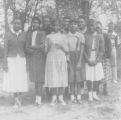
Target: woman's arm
(82, 39)
(81, 56)
(101, 48)
(5, 67)
(41, 45)
(28, 47)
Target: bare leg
(61, 92)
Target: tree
(59, 8)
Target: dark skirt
(75, 75)
(37, 68)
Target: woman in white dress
(94, 48)
(56, 75)
(15, 75)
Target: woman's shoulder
(41, 32)
(51, 35)
(8, 33)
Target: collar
(16, 33)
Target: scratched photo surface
(60, 60)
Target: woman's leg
(38, 92)
(98, 89)
(95, 89)
(54, 96)
(72, 91)
(61, 91)
(105, 89)
(79, 93)
(80, 86)
(17, 99)
(89, 87)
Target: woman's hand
(68, 57)
(78, 66)
(5, 66)
(92, 63)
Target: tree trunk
(57, 9)
(85, 5)
(5, 15)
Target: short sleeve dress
(56, 74)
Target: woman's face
(35, 24)
(47, 22)
(73, 27)
(111, 27)
(66, 23)
(17, 25)
(98, 27)
(56, 27)
(92, 27)
(82, 23)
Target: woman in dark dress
(76, 48)
(36, 56)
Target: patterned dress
(107, 70)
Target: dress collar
(16, 33)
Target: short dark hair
(16, 18)
(74, 21)
(36, 18)
(91, 22)
(110, 23)
(98, 22)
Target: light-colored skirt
(56, 74)
(94, 73)
(15, 80)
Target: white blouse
(34, 34)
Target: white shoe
(73, 99)
(90, 96)
(38, 100)
(61, 100)
(115, 81)
(95, 96)
(17, 103)
(15, 106)
(54, 101)
(79, 101)
(78, 97)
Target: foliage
(60, 8)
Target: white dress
(56, 74)
(94, 73)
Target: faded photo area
(60, 60)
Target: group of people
(60, 57)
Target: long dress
(15, 79)
(56, 74)
(36, 56)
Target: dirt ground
(109, 108)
